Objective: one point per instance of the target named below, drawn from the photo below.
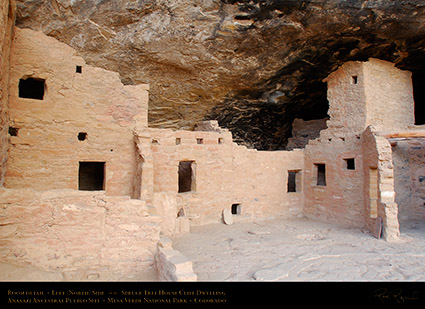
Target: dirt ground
(301, 250)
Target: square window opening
(199, 141)
(186, 176)
(350, 164)
(78, 69)
(321, 174)
(220, 140)
(31, 88)
(178, 141)
(91, 176)
(354, 79)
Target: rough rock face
(252, 65)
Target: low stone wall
(86, 235)
(171, 264)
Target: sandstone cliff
(252, 65)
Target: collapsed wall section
(65, 112)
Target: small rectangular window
(236, 209)
(350, 164)
(79, 69)
(321, 174)
(199, 141)
(354, 79)
(178, 141)
(220, 140)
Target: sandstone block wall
(46, 151)
(378, 185)
(389, 95)
(369, 93)
(224, 174)
(7, 19)
(340, 200)
(171, 264)
(84, 235)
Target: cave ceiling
(252, 65)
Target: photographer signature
(395, 295)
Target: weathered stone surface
(252, 65)
(227, 216)
(74, 235)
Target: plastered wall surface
(95, 102)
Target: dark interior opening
(185, 176)
(418, 82)
(350, 164)
(292, 186)
(91, 176)
(321, 174)
(79, 69)
(82, 136)
(236, 209)
(31, 88)
(13, 131)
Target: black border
(277, 294)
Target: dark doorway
(292, 184)
(31, 88)
(186, 176)
(321, 174)
(91, 176)
(418, 82)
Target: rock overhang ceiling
(252, 65)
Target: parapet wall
(84, 235)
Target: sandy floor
(301, 250)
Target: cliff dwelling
(92, 187)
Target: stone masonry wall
(379, 188)
(340, 200)
(46, 152)
(7, 19)
(389, 95)
(224, 174)
(84, 235)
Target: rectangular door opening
(186, 176)
(91, 176)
